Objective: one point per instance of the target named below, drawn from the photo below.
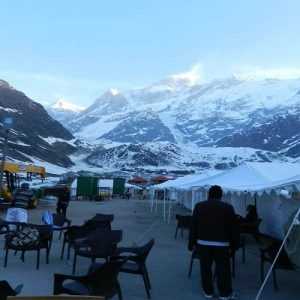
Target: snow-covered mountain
(259, 114)
(34, 136)
(64, 111)
(169, 156)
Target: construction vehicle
(11, 176)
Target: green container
(119, 186)
(39, 193)
(87, 186)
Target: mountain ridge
(229, 113)
(31, 130)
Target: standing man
(63, 202)
(215, 233)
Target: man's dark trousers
(220, 256)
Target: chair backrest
(47, 218)
(16, 214)
(45, 231)
(77, 232)
(270, 246)
(143, 251)
(103, 242)
(99, 222)
(104, 276)
(105, 217)
(184, 221)
(58, 219)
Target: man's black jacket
(214, 221)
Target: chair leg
(60, 235)
(233, 265)
(181, 232)
(63, 249)
(74, 263)
(23, 256)
(262, 270)
(191, 266)
(176, 233)
(147, 276)
(119, 291)
(146, 286)
(47, 255)
(69, 251)
(275, 284)
(6, 258)
(244, 253)
(38, 259)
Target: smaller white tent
(106, 183)
(132, 186)
(188, 180)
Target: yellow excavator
(11, 176)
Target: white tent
(132, 186)
(242, 185)
(252, 177)
(188, 179)
(106, 183)
(261, 181)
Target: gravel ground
(168, 262)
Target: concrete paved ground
(167, 264)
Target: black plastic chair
(44, 242)
(268, 254)
(98, 244)
(101, 280)
(246, 229)
(4, 227)
(60, 223)
(136, 262)
(183, 223)
(196, 255)
(6, 290)
(74, 233)
(101, 220)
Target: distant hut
(159, 179)
(138, 180)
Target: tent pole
(169, 211)
(193, 201)
(164, 204)
(295, 221)
(152, 200)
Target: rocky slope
(34, 134)
(164, 155)
(259, 114)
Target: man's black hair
(215, 192)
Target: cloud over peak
(192, 76)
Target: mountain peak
(64, 105)
(189, 78)
(4, 84)
(113, 92)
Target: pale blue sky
(77, 49)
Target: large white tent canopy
(246, 177)
(255, 177)
(243, 185)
